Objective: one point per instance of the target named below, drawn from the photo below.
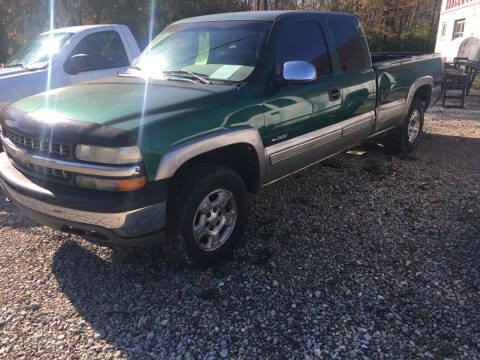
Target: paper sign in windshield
(225, 72)
(203, 49)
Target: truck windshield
(219, 50)
(37, 53)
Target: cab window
(348, 44)
(103, 50)
(304, 41)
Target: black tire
(188, 191)
(401, 138)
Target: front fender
(173, 159)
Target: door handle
(334, 94)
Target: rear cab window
(303, 40)
(348, 44)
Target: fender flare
(173, 159)
(417, 84)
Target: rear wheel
(407, 137)
(207, 214)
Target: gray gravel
(372, 256)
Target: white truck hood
(4, 72)
(17, 83)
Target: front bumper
(134, 218)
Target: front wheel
(407, 137)
(208, 210)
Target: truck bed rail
(387, 56)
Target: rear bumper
(120, 217)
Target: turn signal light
(132, 184)
(88, 182)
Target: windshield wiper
(180, 71)
(198, 77)
(135, 68)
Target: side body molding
(417, 84)
(177, 156)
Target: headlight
(107, 155)
(102, 184)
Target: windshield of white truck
(37, 53)
(219, 50)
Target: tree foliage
(390, 25)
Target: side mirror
(78, 63)
(299, 72)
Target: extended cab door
(355, 77)
(97, 55)
(302, 120)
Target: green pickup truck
(214, 108)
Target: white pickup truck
(76, 54)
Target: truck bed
(395, 82)
(388, 56)
(396, 75)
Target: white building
(459, 19)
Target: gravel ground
(366, 256)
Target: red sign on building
(454, 3)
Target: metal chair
(460, 75)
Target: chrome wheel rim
(215, 220)
(414, 126)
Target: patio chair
(460, 75)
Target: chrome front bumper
(128, 224)
(121, 227)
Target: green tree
(389, 24)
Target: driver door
(302, 120)
(102, 54)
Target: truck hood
(124, 102)
(17, 83)
(4, 72)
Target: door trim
(358, 123)
(390, 114)
(307, 142)
(284, 159)
(300, 144)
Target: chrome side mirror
(299, 72)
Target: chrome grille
(43, 171)
(38, 145)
